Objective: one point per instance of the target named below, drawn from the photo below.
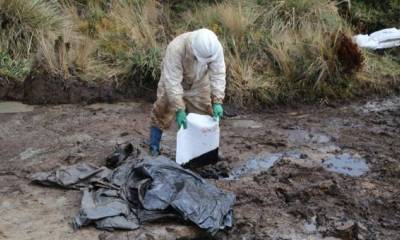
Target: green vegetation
(23, 21)
(13, 69)
(372, 15)
(276, 51)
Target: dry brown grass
(138, 22)
(21, 21)
(276, 51)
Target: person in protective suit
(192, 80)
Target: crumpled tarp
(143, 190)
(121, 154)
(106, 209)
(75, 176)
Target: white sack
(386, 38)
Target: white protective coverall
(189, 80)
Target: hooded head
(205, 45)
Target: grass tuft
(13, 69)
(21, 21)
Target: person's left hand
(181, 118)
(218, 111)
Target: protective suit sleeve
(173, 75)
(217, 75)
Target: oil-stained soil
(312, 172)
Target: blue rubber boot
(155, 138)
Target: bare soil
(281, 165)
(44, 88)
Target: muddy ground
(299, 173)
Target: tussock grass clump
(22, 21)
(381, 73)
(12, 69)
(133, 43)
(71, 52)
(21, 24)
(72, 56)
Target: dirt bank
(52, 89)
(11, 90)
(304, 173)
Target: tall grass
(22, 21)
(117, 42)
(70, 51)
(381, 73)
(280, 50)
(276, 51)
(133, 43)
(22, 24)
(11, 69)
(372, 15)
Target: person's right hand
(181, 118)
(218, 111)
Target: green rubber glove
(218, 111)
(181, 118)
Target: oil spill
(344, 163)
(347, 164)
(260, 163)
(379, 106)
(305, 137)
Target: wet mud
(298, 173)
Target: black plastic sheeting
(140, 191)
(74, 177)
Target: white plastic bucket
(201, 136)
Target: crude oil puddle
(256, 165)
(14, 107)
(306, 137)
(379, 106)
(347, 164)
(260, 163)
(344, 163)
